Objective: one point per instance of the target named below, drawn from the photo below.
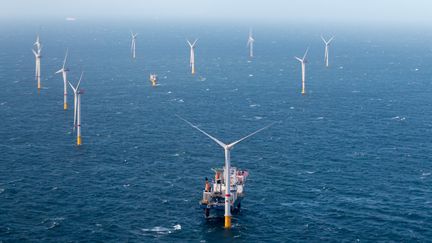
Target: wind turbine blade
(64, 61)
(190, 44)
(34, 52)
(208, 135)
(322, 38)
(73, 88)
(331, 39)
(59, 71)
(194, 42)
(79, 81)
(250, 135)
(305, 53)
(298, 58)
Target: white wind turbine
(326, 52)
(192, 55)
(303, 62)
(133, 44)
(227, 149)
(37, 43)
(77, 109)
(38, 57)
(250, 43)
(64, 72)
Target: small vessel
(153, 79)
(213, 201)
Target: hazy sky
(343, 11)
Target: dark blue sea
(348, 162)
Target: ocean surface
(350, 161)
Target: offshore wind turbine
(250, 43)
(326, 51)
(77, 109)
(192, 55)
(227, 149)
(37, 43)
(38, 57)
(64, 72)
(303, 62)
(133, 44)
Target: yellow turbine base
(227, 222)
(65, 106)
(79, 140)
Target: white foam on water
(52, 222)
(258, 117)
(320, 118)
(251, 75)
(398, 118)
(177, 227)
(2, 190)
(160, 230)
(254, 105)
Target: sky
(369, 12)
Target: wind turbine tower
(326, 51)
(133, 44)
(64, 72)
(250, 43)
(38, 57)
(192, 55)
(77, 109)
(303, 62)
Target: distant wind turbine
(37, 43)
(75, 98)
(326, 52)
(250, 43)
(303, 62)
(77, 109)
(38, 57)
(192, 55)
(133, 44)
(64, 72)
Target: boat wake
(159, 230)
